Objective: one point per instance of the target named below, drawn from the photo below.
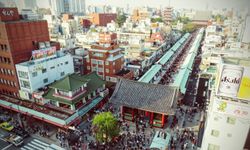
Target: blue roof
(165, 58)
(188, 62)
(181, 79)
(148, 76)
(160, 142)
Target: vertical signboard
(230, 80)
(244, 91)
(234, 82)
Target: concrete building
(102, 19)
(38, 73)
(18, 39)
(139, 14)
(57, 7)
(105, 57)
(228, 113)
(77, 6)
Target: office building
(18, 39)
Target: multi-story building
(77, 6)
(102, 19)
(167, 14)
(18, 39)
(105, 57)
(57, 7)
(139, 14)
(228, 113)
(40, 72)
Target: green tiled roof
(94, 82)
(69, 83)
(148, 76)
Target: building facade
(105, 57)
(36, 74)
(77, 6)
(102, 19)
(18, 39)
(228, 113)
(167, 14)
(57, 7)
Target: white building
(77, 6)
(228, 114)
(38, 73)
(57, 7)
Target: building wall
(18, 39)
(231, 136)
(102, 19)
(55, 69)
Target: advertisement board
(231, 108)
(44, 53)
(234, 82)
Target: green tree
(105, 127)
(120, 19)
(153, 20)
(189, 27)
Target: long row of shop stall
(180, 80)
(155, 73)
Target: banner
(234, 82)
(44, 53)
(231, 108)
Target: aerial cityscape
(124, 75)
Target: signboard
(44, 53)
(234, 82)
(231, 108)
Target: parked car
(14, 139)
(6, 126)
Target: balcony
(68, 97)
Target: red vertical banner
(163, 120)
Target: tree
(189, 27)
(105, 127)
(120, 19)
(153, 20)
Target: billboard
(231, 108)
(234, 82)
(44, 53)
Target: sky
(195, 4)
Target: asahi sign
(230, 80)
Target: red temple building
(142, 100)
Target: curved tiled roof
(144, 96)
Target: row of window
(44, 70)
(3, 47)
(7, 82)
(7, 71)
(100, 69)
(7, 92)
(5, 60)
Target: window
(88, 67)
(44, 70)
(61, 63)
(25, 84)
(216, 118)
(106, 63)
(53, 67)
(100, 69)
(34, 74)
(114, 71)
(231, 120)
(45, 80)
(107, 70)
(229, 135)
(215, 133)
(22, 74)
(113, 63)
(66, 62)
(62, 73)
(213, 147)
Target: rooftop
(70, 83)
(94, 82)
(150, 97)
